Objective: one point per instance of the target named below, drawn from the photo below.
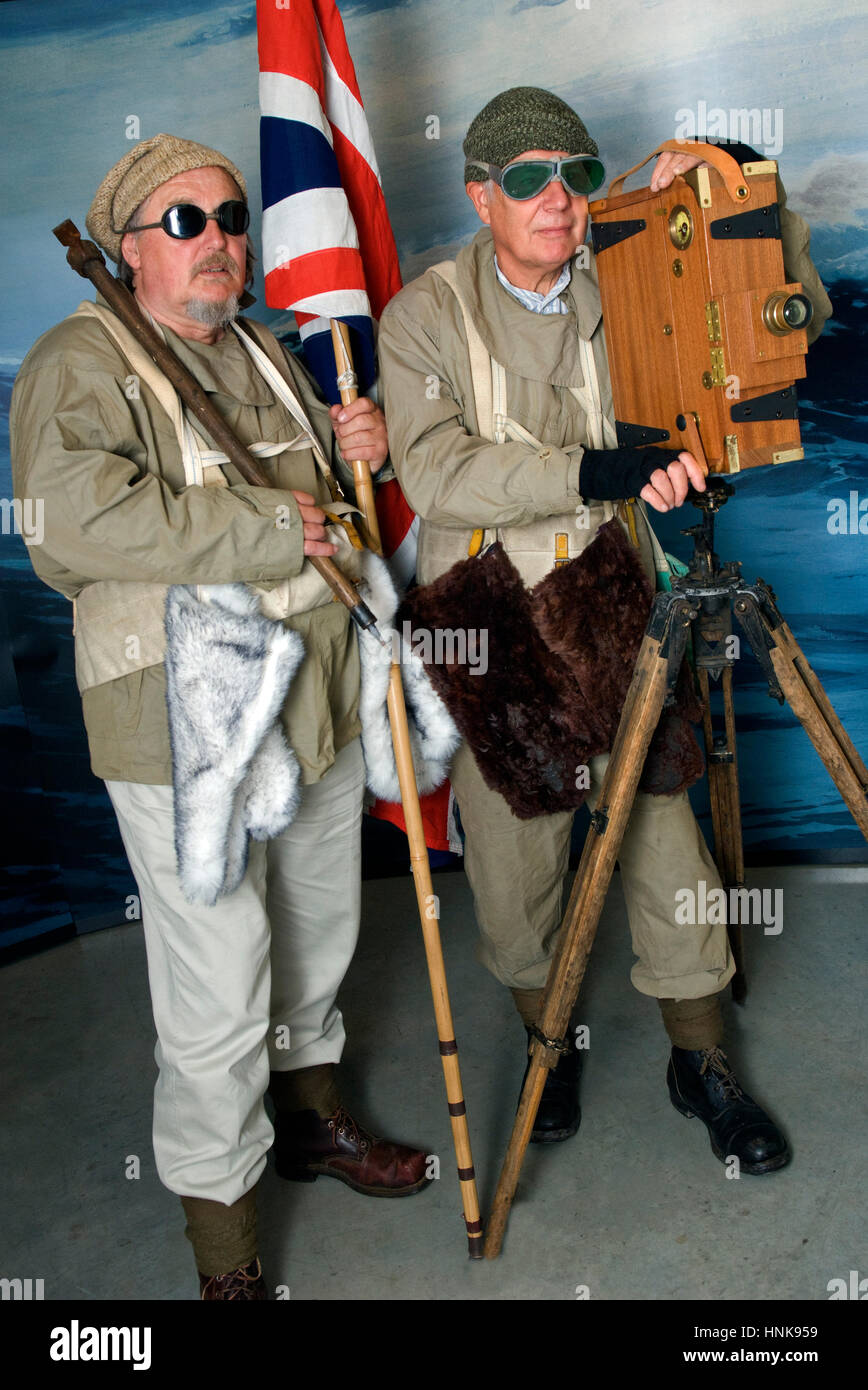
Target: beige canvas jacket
(102, 454)
(452, 477)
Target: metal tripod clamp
(555, 1047)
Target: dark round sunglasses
(525, 178)
(185, 221)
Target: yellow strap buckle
(631, 520)
(475, 542)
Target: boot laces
(237, 1283)
(348, 1128)
(716, 1059)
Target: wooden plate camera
(700, 321)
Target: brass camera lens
(680, 227)
(786, 313)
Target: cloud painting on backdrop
(83, 78)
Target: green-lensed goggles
(525, 178)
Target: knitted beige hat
(134, 178)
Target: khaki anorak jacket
(100, 452)
(455, 479)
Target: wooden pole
(419, 862)
(812, 707)
(722, 766)
(364, 483)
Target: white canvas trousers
(232, 985)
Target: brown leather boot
(244, 1285)
(307, 1145)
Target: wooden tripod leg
(826, 712)
(732, 827)
(722, 762)
(434, 956)
(608, 823)
(812, 707)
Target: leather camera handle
(728, 168)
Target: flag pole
(419, 861)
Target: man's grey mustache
(219, 260)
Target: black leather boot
(702, 1083)
(559, 1111)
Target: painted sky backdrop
(75, 71)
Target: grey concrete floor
(634, 1207)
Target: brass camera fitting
(785, 313)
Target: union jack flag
(327, 245)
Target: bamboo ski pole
(419, 862)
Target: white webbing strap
(500, 421)
(661, 562)
(203, 466)
(481, 373)
(601, 431)
(489, 385)
(146, 370)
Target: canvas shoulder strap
(138, 359)
(601, 431)
(201, 464)
(483, 368)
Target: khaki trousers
(248, 985)
(517, 868)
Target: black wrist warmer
(609, 474)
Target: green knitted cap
(521, 119)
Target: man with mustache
(243, 991)
(499, 408)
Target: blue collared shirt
(550, 303)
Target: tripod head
(705, 562)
